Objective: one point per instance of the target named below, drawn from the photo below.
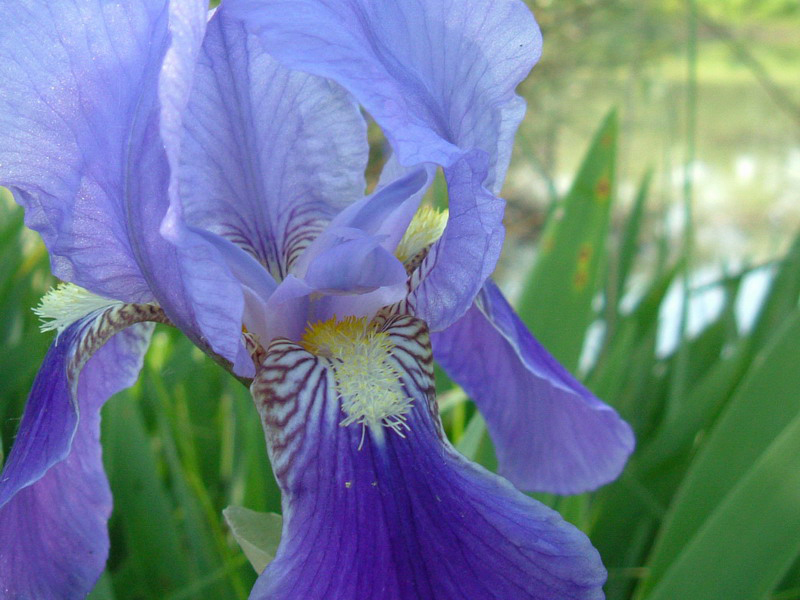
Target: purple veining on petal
(551, 434)
(402, 518)
(90, 111)
(74, 81)
(269, 155)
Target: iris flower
(209, 174)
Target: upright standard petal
(386, 509)
(269, 156)
(54, 495)
(437, 75)
(551, 434)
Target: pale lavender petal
(54, 496)
(72, 75)
(287, 310)
(354, 265)
(91, 96)
(437, 75)
(390, 209)
(401, 518)
(386, 213)
(551, 434)
(353, 275)
(195, 285)
(269, 156)
(451, 275)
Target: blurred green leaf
(765, 401)
(781, 298)
(103, 590)
(750, 538)
(557, 300)
(158, 561)
(258, 534)
(476, 445)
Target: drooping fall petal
(551, 434)
(399, 517)
(54, 495)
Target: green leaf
(765, 401)
(629, 244)
(750, 539)
(476, 444)
(142, 504)
(257, 533)
(781, 298)
(557, 300)
(103, 590)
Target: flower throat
(367, 383)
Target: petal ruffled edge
(444, 285)
(437, 75)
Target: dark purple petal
(401, 518)
(437, 75)
(445, 284)
(54, 496)
(91, 102)
(269, 156)
(551, 434)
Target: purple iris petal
(287, 310)
(207, 301)
(402, 518)
(90, 107)
(349, 266)
(445, 284)
(54, 496)
(72, 75)
(437, 75)
(390, 209)
(355, 264)
(551, 433)
(269, 156)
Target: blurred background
(652, 245)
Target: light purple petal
(287, 310)
(269, 156)
(437, 75)
(447, 281)
(185, 267)
(551, 434)
(91, 96)
(402, 518)
(390, 209)
(72, 75)
(355, 265)
(54, 496)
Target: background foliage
(606, 257)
